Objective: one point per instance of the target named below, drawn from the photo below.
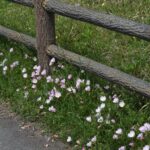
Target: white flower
(26, 56)
(1, 54)
(33, 86)
(39, 99)
(69, 139)
(119, 131)
(11, 50)
(33, 74)
(17, 90)
(49, 79)
(100, 119)
(61, 66)
(102, 106)
(52, 61)
(3, 62)
(34, 81)
(88, 119)
(103, 98)
(146, 147)
(82, 71)
(131, 134)
(121, 103)
(88, 82)
(122, 148)
(78, 142)
(89, 144)
(94, 139)
(106, 87)
(26, 93)
(88, 88)
(24, 70)
(57, 94)
(25, 75)
(43, 73)
(52, 109)
(115, 137)
(34, 59)
(57, 80)
(115, 100)
(5, 68)
(41, 106)
(48, 101)
(98, 110)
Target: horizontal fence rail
(99, 69)
(97, 18)
(18, 37)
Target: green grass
(126, 53)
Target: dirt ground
(15, 134)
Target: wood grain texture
(45, 33)
(101, 19)
(97, 18)
(18, 37)
(101, 70)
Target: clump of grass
(81, 108)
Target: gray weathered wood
(101, 70)
(97, 18)
(18, 37)
(101, 19)
(45, 33)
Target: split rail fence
(45, 42)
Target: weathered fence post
(45, 33)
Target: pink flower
(83, 148)
(145, 128)
(69, 77)
(140, 136)
(38, 70)
(78, 83)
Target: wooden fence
(45, 42)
